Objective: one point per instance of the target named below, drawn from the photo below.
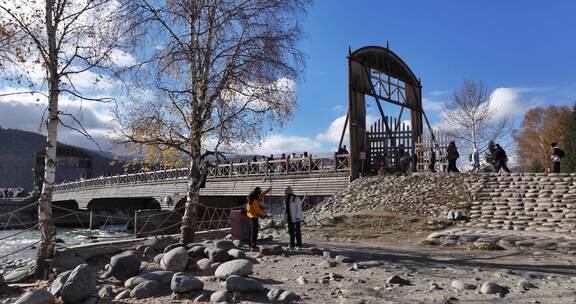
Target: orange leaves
(540, 127)
(4, 32)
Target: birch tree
(48, 48)
(219, 75)
(471, 118)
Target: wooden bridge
(311, 176)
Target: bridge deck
(308, 176)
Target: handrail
(279, 167)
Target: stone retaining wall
(526, 202)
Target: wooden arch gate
(380, 73)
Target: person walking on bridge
(293, 216)
(254, 211)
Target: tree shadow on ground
(415, 259)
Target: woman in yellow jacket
(254, 211)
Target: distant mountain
(18, 150)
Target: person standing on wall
(475, 160)
(557, 155)
(502, 159)
(432, 160)
(452, 155)
(293, 215)
(254, 211)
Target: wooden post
(231, 168)
(335, 162)
(135, 223)
(91, 220)
(310, 164)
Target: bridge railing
(297, 166)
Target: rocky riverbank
(421, 194)
(384, 270)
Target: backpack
(560, 152)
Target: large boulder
(107, 292)
(146, 268)
(220, 296)
(204, 264)
(122, 295)
(454, 215)
(236, 253)
(175, 260)
(218, 255)
(158, 258)
(145, 290)
(36, 296)
(125, 265)
(66, 260)
(287, 296)
(234, 267)
(271, 250)
(492, 288)
(242, 284)
(18, 275)
(164, 278)
(58, 283)
(158, 243)
(148, 254)
(183, 283)
(461, 285)
(172, 246)
(197, 252)
(224, 244)
(81, 283)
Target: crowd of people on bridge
(12, 192)
(286, 162)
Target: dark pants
(556, 167)
(431, 167)
(452, 166)
(295, 234)
(253, 232)
(505, 167)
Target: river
(70, 236)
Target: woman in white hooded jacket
(293, 215)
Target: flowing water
(70, 236)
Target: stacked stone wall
(526, 202)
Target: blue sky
(525, 51)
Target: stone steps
(531, 202)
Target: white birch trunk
(190, 217)
(45, 221)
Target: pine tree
(569, 147)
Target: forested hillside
(17, 156)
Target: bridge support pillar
(93, 220)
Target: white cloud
(338, 108)
(432, 106)
(439, 92)
(25, 112)
(508, 102)
(121, 58)
(262, 96)
(334, 131)
(278, 144)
